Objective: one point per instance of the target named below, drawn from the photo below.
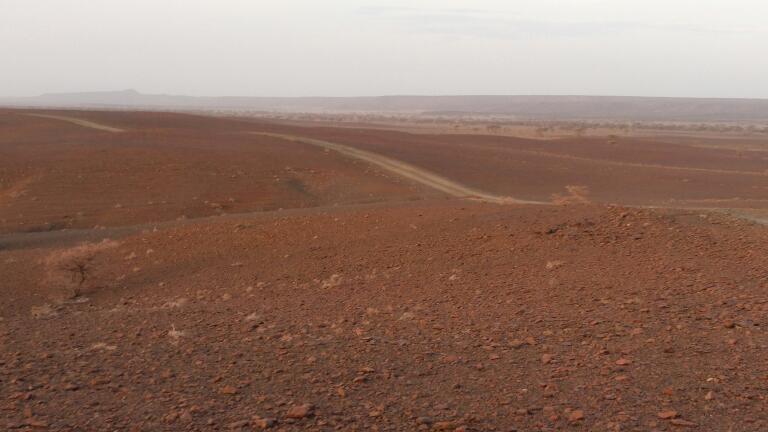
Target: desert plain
(172, 271)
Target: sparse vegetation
(72, 269)
(575, 195)
(509, 125)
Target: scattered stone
(253, 317)
(175, 334)
(683, 423)
(667, 414)
(176, 303)
(550, 413)
(551, 265)
(331, 282)
(424, 420)
(171, 417)
(264, 423)
(443, 426)
(300, 411)
(451, 358)
(238, 424)
(103, 346)
(546, 358)
(228, 390)
(185, 416)
(36, 424)
(575, 416)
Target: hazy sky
(708, 48)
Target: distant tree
(493, 128)
(541, 130)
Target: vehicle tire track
(406, 170)
(80, 122)
(637, 164)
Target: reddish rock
(683, 423)
(264, 423)
(575, 416)
(300, 411)
(228, 390)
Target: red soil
(57, 175)
(622, 170)
(435, 314)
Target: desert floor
(172, 272)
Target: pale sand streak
(406, 170)
(79, 122)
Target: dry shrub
(72, 270)
(332, 282)
(575, 195)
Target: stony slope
(432, 316)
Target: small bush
(575, 195)
(73, 270)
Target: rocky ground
(429, 316)
(327, 294)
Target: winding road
(394, 166)
(430, 179)
(405, 170)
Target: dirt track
(408, 171)
(397, 167)
(55, 175)
(80, 122)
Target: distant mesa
(94, 94)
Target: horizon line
(393, 95)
